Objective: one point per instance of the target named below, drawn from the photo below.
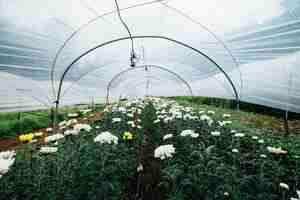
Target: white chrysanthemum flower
(53, 138)
(263, 156)
(83, 127)
(122, 110)
(276, 150)
(235, 150)
(186, 133)
(194, 135)
(226, 194)
(73, 115)
(97, 127)
(233, 131)
(62, 123)
(72, 132)
(131, 123)
(156, 121)
(167, 136)
(106, 138)
(298, 193)
(224, 123)
(227, 122)
(164, 151)
(254, 137)
(211, 112)
(215, 133)
(130, 115)
(49, 129)
(6, 155)
(48, 150)
(284, 186)
(226, 115)
(261, 141)
(207, 119)
(239, 135)
(71, 121)
(139, 127)
(140, 168)
(139, 111)
(114, 120)
(168, 119)
(7, 159)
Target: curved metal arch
(105, 65)
(135, 6)
(153, 37)
(142, 67)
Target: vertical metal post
(286, 123)
(55, 127)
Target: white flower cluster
(114, 120)
(190, 133)
(53, 138)
(215, 133)
(276, 150)
(211, 112)
(298, 193)
(7, 158)
(49, 129)
(71, 115)
(284, 186)
(83, 127)
(239, 135)
(207, 119)
(224, 123)
(226, 115)
(85, 111)
(164, 151)
(65, 124)
(77, 128)
(106, 138)
(168, 136)
(48, 150)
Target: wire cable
(132, 54)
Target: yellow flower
(26, 137)
(127, 136)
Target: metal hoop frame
(153, 37)
(141, 67)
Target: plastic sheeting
(256, 44)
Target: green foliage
(203, 167)
(12, 124)
(81, 169)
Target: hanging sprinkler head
(133, 59)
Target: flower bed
(156, 149)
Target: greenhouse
(149, 100)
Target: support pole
(286, 123)
(55, 116)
